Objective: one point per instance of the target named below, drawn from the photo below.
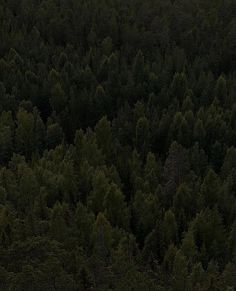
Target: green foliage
(25, 133)
(58, 98)
(100, 188)
(117, 145)
(146, 212)
(115, 207)
(170, 230)
(180, 272)
(142, 136)
(221, 89)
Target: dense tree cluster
(117, 145)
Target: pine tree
(169, 258)
(100, 260)
(175, 168)
(180, 272)
(145, 213)
(210, 188)
(25, 133)
(221, 90)
(84, 225)
(199, 132)
(142, 136)
(40, 132)
(188, 247)
(187, 104)
(229, 162)
(183, 206)
(58, 223)
(197, 277)
(100, 188)
(28, 188)
(6, 143)
(58, 98)
(179, 86)
(170, 229)
(115, 207)
(100, 102)
(139, 68)
(152, 172)
(104, 137)
(135, 169)
(5, 227)
(229, 275)
(54, 135)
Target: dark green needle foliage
(117, 145)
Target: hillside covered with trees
(117, 145)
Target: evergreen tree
(179, 86)
(58, 99)
(170, 229)
(199, 132)
(210, 188)
(180, 272)
(142, 136)
(221, 90)
(188, 247)
(115, 207)
(25, 133)
(104, 137)
(100, 189)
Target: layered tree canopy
(117, 145)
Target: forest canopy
(117, 145)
